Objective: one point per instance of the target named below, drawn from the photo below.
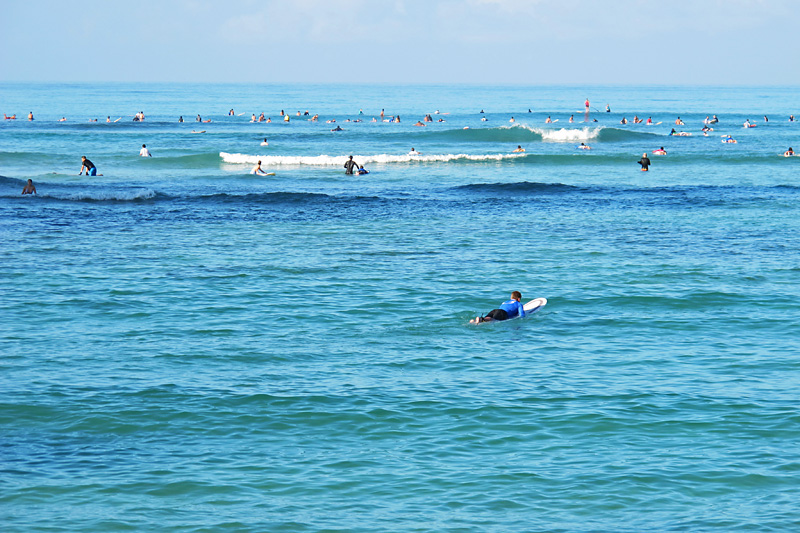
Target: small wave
(330, 160)
(518, 188)
(104, 196)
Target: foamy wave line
(565, 134)
(107, 196)
(330, 160)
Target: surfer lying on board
(510, 309)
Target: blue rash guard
(513, 308)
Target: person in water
(257, 169)
(660, 151)
(264, 142)
(350, 166)
(30, 189)
(584, 146)
(414, 152)
(144, 152)
(787, 153)
(645, 162)
(91, 170)
(361, 171)
(519, 148)
(510, 309)
(30, 115)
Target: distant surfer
(586, 105)
(519, 148)
(31, 189)
(679, 122)
(413, 152)
(548, 120)
(728, 139)
(362, 171)
(264, 142)
(512, 120)
(571, 119)
(257, 169)
(645, 162)
(144, 152)
(584, 146)
(510, 309)
(30, 115)
(87, 165)
(608, 108)
(419, 124)
(787, 153)
(660, 151)
(337, 128)
(350, 166)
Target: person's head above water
(516, 295)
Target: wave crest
(331, 160)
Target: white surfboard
(534, 305)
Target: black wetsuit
(645, 162)
(349, 166)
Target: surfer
(571, 119)
(30, 115)
(645, 162)
(30, 189)
(608, 108)
(787, 153)
(413, 152)
(350, 165)
(510, 309)
(144, 152)
(361, 171)
(337, 128)
(91, 170)
(679, 122)
(257, 169)
(584, 146)
(264, 142)
(548, 120)
(728, 139)
(660, 151)
(519, 148)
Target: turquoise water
(189, 347)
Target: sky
(532, 42)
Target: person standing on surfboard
(510, 309)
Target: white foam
(339, 160)
(105, 196)
(565, 135)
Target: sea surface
(188, 347)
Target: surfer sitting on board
(510, 309)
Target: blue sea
(188, 347)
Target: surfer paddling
(510, 309)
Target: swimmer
(62, 119)
(519, 148)
(349, 165)
(660, 151)
(419, 124)
(264, 142)
(787, 153)
(257, 169)
(510, 309)
(30, 115)
(623, 121)
(31, 189)
(645, 162)
(571, 119)
(12, 117)
(413, 152)
(180, 119)
(144, 152)
(440, 120)
(584, 146)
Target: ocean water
(189, 347)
